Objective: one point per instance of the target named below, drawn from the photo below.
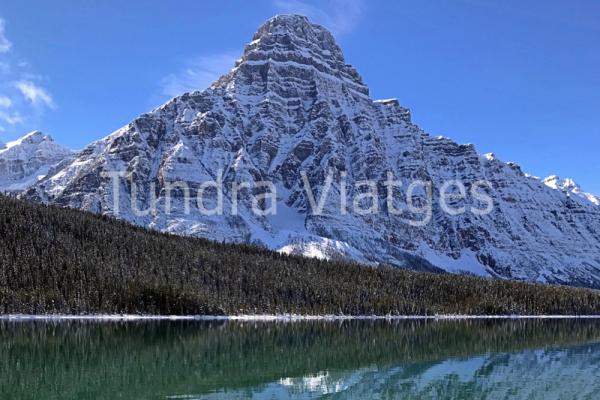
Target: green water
(499, 359)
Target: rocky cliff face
(292, 107)
(24, 161)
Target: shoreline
(273, 317)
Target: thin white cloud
(5, 102)
(35, 94)
(5, 44)
(23, 98)
(339, 16)
(11, 119)
(198, 74)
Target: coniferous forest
(55, 260)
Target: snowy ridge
(568, 186)
(26, 160)
(292, 104)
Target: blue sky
(517, 78)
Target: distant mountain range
(292, 112)
(24, 161)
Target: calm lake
(413, 359)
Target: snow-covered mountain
(568, 185)
(26, 160)
(292, 106)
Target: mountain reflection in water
(450, 359)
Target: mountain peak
(283, 28)
(286, 20)
(290, 47)
(36, 137)
(32, 138)
(567, 184)
(24, 161)
(31, 142)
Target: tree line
(55, 260)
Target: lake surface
(426, 359)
